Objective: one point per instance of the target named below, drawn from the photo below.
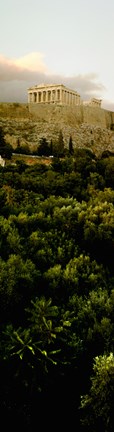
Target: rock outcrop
(89, 127)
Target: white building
(53, 94)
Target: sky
(57, 41)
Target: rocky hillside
(89, 127)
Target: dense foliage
(5, 149)
(57, 292)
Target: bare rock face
(89, 127)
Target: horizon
(57, 42)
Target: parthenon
(53, 94)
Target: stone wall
(74, 114)
(89, 127)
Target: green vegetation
(5, 149)
(57, 291)
(44, 148)
(99, 404)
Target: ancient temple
(93, 102)
(53, 94)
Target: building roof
(41, 86)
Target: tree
(2, 140)
(24, 149)
(17, 282)
(5, 149)
(82, 275)
(98, 405)
(59, 148)
(71, 145)
(51, 147)
(43, 149)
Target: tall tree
(60, 144)
(71, 151)
(5, 149)
(51, 147)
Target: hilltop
(89, 127)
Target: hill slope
(89, 127)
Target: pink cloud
(33, 62)
(21, 69)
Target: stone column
(68, 98)
(65, 96)
(46, 95)
(49, 95)
(60, 95)
(56, 95)
(31, 95)
(53, 95)
(40, 96)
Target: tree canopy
(57, 291)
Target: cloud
(32, 61)
(16, 75)
(87, 85)
(22, 69)
(108, 105)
